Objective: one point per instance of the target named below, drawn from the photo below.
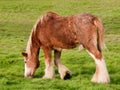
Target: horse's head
(30, 65)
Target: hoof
(67, 76)
(102, 79)
(48, 77)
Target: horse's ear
(24, 54)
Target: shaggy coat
(55, 32)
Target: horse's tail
(100, 34)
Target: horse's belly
(63, 45)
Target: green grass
(16, 21)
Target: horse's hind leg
(49, 71)
(101, 74)
(64, 71)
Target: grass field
(17, 18)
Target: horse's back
(66, 32)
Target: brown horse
(54, 32)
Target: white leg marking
(101, 75)
(49, 71)
(62, 69)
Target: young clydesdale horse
(54, 32)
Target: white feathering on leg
(101, 75)
(49, 71)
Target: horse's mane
(30, 41)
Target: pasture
(16, 21)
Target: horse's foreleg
(64, 71)
(49, 71)
(101, 75)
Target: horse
(53, 32)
